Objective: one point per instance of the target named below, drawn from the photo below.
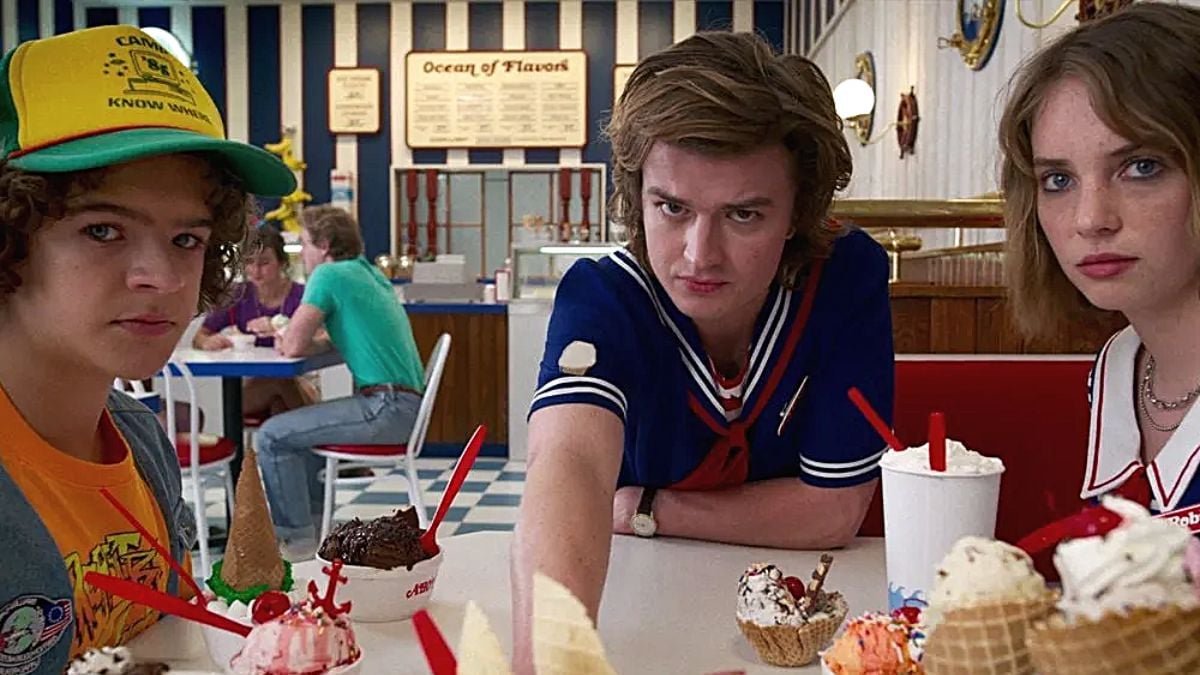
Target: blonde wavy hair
(1142, 69)
(333, 227)
(728, 94)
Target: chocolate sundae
(383, 543)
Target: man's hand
(625, 503)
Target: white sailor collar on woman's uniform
(1114, 443)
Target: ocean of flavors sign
(496, 99)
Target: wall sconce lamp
(854, 100)
(1088, 10)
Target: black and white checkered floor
(488, 500)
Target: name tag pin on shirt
(786, 413)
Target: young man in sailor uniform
(695, 384)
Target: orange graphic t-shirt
(91, 535)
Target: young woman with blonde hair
(694, 384)
(1101, 174)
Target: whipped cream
(1138, 565)
(980, 571)
(959, 460)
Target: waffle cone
(479, 650)
(564, 639)
(252, 553)
(792, 646)
(1145, 642)
(985, 640)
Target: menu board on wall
(354, 100)
(621, 75)
(505, 99)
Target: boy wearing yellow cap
(121, 203)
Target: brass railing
(895, 223)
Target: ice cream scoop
(306, 640)
(980, 571)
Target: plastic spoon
(433, 643)
(167, 604)
(429, 539)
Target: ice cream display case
(537, 268)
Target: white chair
(201, 457)
(361, 455)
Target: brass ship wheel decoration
(907, 118)
(978, 31)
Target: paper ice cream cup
(924, 514)
(382, 596)
(242, 342)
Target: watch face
(643, 525)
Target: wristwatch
(643, 522)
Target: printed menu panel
(354, 100)
(511, 99)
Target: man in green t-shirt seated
(366, 323)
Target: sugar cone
(564, 639)
(1145, 642)
(252, 553)
(793, 646)
(985, 640)
(479, 651)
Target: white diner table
(233, 365)
(668, 605)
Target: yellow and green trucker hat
(113, 94)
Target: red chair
(357, 456)
(1031, 412)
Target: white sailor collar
(1114, 442)
(775, 316)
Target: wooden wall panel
(975, 320)
(952, 324)
(475, 385)
(910, 325)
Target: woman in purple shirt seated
(267, 291)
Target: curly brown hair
(28, 199)
(727, 94)
(1141, 67)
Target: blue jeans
(289, 468)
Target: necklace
(1150, 420)
(1148, 390)
(1147, 394)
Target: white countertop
(668, 606)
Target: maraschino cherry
(269, 605)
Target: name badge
(1188, 517)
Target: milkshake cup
(925, 512)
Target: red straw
(167, 604)
(437, 652)
(876, 421)
(937, 442)
(149, 538)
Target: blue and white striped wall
(265, 64)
